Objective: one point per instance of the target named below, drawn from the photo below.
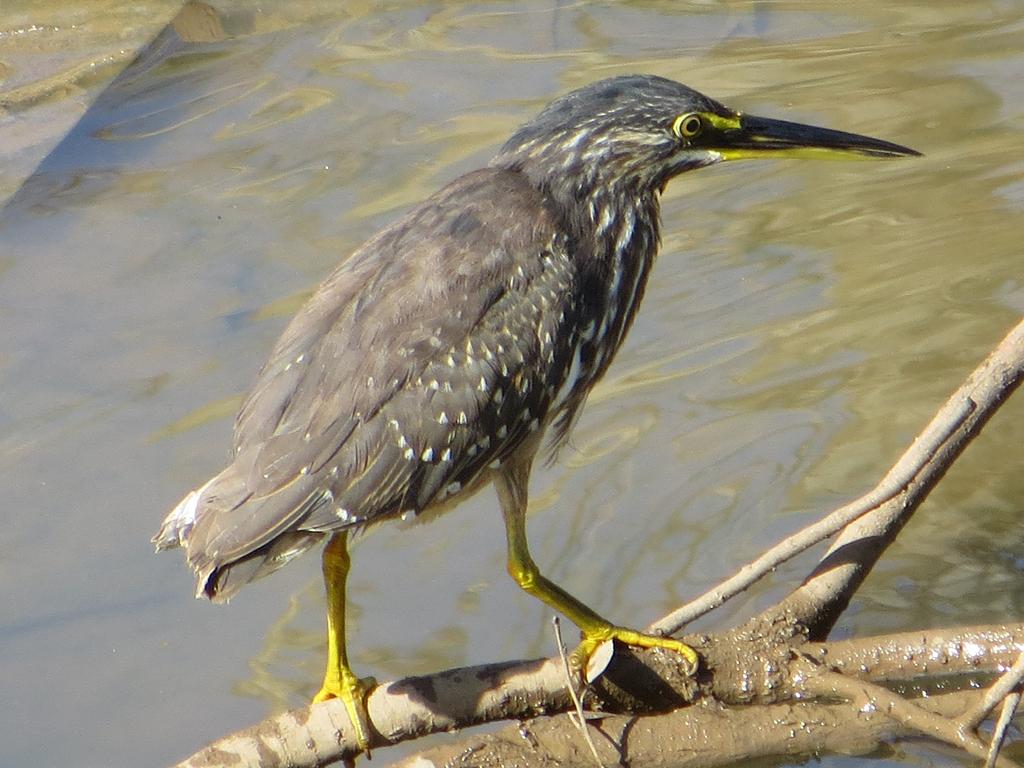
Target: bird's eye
(687, 126)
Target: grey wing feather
(406, 374)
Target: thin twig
(821, 682)
(817, 603)
(916, 456)
(581, 721)
(932, 452)
(998, 691)
(1005, 716)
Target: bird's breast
(610, 286)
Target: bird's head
(634, 133)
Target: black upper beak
(763, 136)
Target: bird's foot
(342, 684)
(596, 636)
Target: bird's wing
(431, 353)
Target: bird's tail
(230, 537)
(176, 527)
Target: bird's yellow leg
(595, 629)
(339, 680)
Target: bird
(458, 344)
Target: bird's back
(425, 360)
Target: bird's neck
(613, 225)
(618, 232)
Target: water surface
(802, 324)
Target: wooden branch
(817, 603)
(1006, 714)
(869, 697)
(894, 499)
(407, 709)
(999, 690)
(695, 737)
(415, 707)
(708, 735)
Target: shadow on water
(802, 323)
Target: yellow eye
(687, 126)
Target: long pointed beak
(763, 137)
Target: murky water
(804, 321)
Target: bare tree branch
(999, 732)
(824, 595)
(959, 420)
(867, 696)
(703, 736)
(414, 707)
(995, 694)
(924, 447)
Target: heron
(460, 342)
